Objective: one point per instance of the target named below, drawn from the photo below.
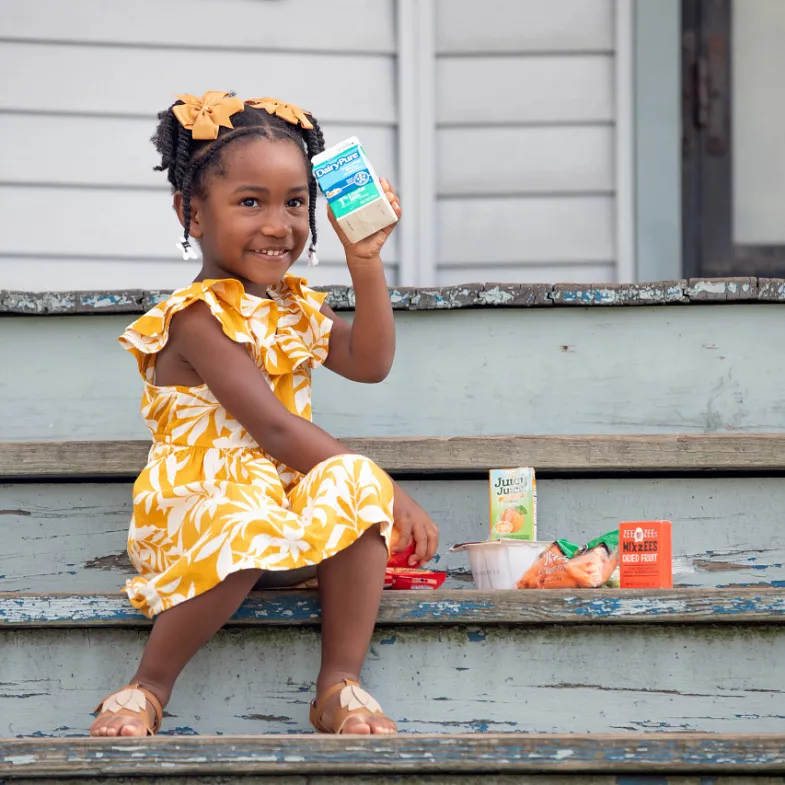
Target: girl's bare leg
(177, 635)
(350, 588)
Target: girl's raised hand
(370, 247)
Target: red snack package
(402, 578)
(400, 559)
(647, 555)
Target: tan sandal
(352, 701)
(132, 701)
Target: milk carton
(353, 190)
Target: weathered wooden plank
(71, 537)
(722, 290)
(551, 455)
(488, 295)
(771, 290)
(297, 608)
(663, 293)
(489, 753)
(463, 372)
(548, 89)
(533, 679)
(233, 24)
(464, 26)
(136, 87)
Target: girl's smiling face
(251, 219)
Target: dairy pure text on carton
(353, 190)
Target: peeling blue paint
(645, 293)
(183, 730)
(765, 605)
(476, 636)
(108, 300)
(389, 641)
(623, 755)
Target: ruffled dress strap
(302, 331)
(283, 332)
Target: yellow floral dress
(210, 501)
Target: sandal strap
(317, 707)
(353, 700)
(126, 701)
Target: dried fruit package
(565, 565)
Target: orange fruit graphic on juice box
(513, 498)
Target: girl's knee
(356, 465)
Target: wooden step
(550, 455)
(666, 754)
(298, 608)
(535, 662)
(71, 536)
(463, 372)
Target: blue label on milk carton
(347, 181)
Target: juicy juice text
(513, 495)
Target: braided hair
(187, 161)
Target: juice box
(352, 189)
(645, 555)
(513, 494)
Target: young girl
(240, 484)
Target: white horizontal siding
(521, 160)
(119, 153)
(337, 25)
(525, 229)
(61, 273)
(493, 90)
(468, 26)
(140, 81)
(526, 168)
(535, 273)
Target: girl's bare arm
(363, 351)
(225, 366)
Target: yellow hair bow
(289, 112)
(203, 116)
